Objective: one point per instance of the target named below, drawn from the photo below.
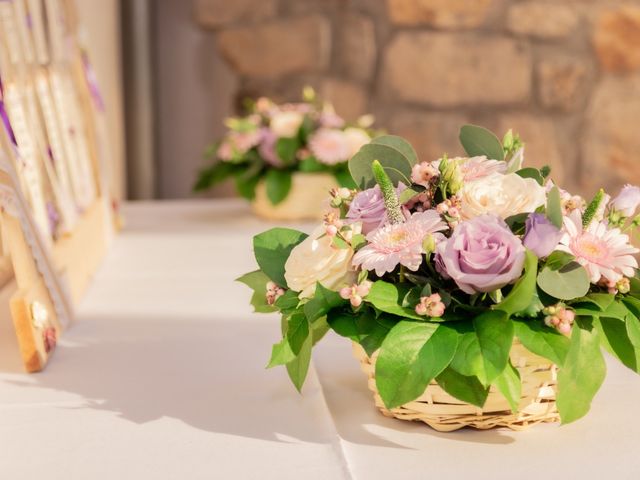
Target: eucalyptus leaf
(567, 283)
(399, 144)
(272, 249)
(395, 164)
(582, 374)
(412, 354)
(479, 141)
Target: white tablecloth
(162, 377)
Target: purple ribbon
(5, 117)
(92, 81)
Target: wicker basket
(307, 199)
(445, 413)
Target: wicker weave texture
(445, 413)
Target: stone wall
(564, 74)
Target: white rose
(315, 260)
(356, 138)
(286, 124)
(502, 195)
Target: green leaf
(395, 164)
(246, 185)
(480, 141)
(483, 349)
(554, 207)
(406, 195)
(311, 164)
(542, 340)
(286, 148)
(412, 355)
(278, 184)
(281, 354)
(343, 177)
(614, 337)
(582, 374)
(272, 249)
(465, 388)
(388, 297)
(531, 173)
(524, 290)
(399, 144)
(210, 176)
(567, 283)
(288, 302)
(632, 321)
(257, 281)
(559, 259)
(297, 331)
(322, 302)
(509, 385)
(299, 366)
(495, 336)
(319, 329)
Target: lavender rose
(627, 201)
(481, 255)
(368, 207)
(541, 236)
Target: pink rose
(481, 255)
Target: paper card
(28, 166)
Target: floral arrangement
(274, 141)
(439, 266)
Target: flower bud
(429, 244)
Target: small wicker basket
(445, 413)
(307, 199)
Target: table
(163, 377)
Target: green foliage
(463, 387)
(394, 162)
(362, 326)
(311, 164)
(272, 249)
(554, 207)
(569, 282)
(542, 340)
(257, 281)
(281, 354)
(210, 176)
(399, 144)
(343, 177)
(278, 184)
(407, 194)
(300, 340)
(288, 302)
(509, 385)
(483, 347)
(322, 302)
(412, 355)
(388, 297)
(286, 148)
(558, 259)
(521, 295)
(615, 338)
(530, 172)
(480, 141)
(582, 373)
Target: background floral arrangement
(440, 265)
(274, 141)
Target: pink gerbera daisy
(605, 252)
(399, 243)
(330, 146)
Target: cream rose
(286, 124)
(502, 195)
(315, 260)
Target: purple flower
(627, 201)
(482, 255)
(368, 207)
(541, 236)
(267, 147)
